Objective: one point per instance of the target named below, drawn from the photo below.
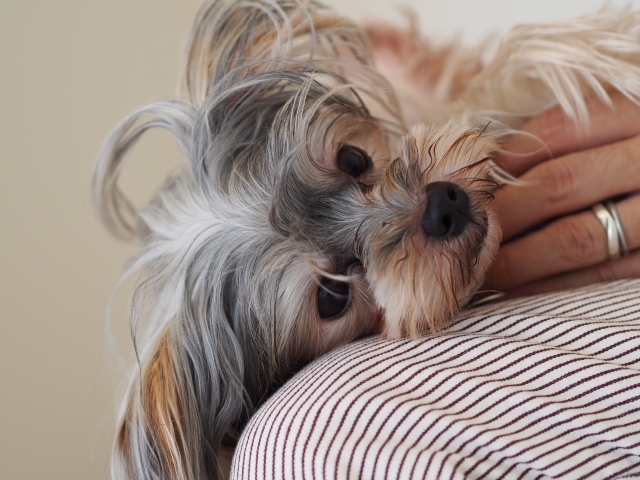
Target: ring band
(624, 248)
(616, 241)
(609, 224)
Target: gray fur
(234, 245)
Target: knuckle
(501, 276)
(606, 273)
(628, 150)
(558, 180)
(554, 124)
(576, 243)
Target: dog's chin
(426, 292)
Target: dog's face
(307, 216)
(368, 226)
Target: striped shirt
(536, 388)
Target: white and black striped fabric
(544, 387)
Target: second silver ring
(610, 220)
(624, 248)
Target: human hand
(587, 166)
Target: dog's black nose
(447, 212)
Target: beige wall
(69, 71)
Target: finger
(625, 267)
(568, 244)
(552, 133)
(568, 184)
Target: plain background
(70, 69)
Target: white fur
(234, 247)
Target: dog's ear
(237, 39)
(154, 433)
(177, 413)
(114, 209)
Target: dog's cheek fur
(421, 287)
(421, 283)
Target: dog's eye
(353, 161)
(333, 298)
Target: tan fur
(237, 243)
(163, 410)
(429, 78)
(435, 277)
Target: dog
(330, 190)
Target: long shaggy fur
(234, 247)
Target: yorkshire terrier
(307, 214)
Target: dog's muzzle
(447, 212)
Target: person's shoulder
(504, 374)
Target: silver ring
(609, 224)
(624, 248)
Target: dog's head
(305, 217)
